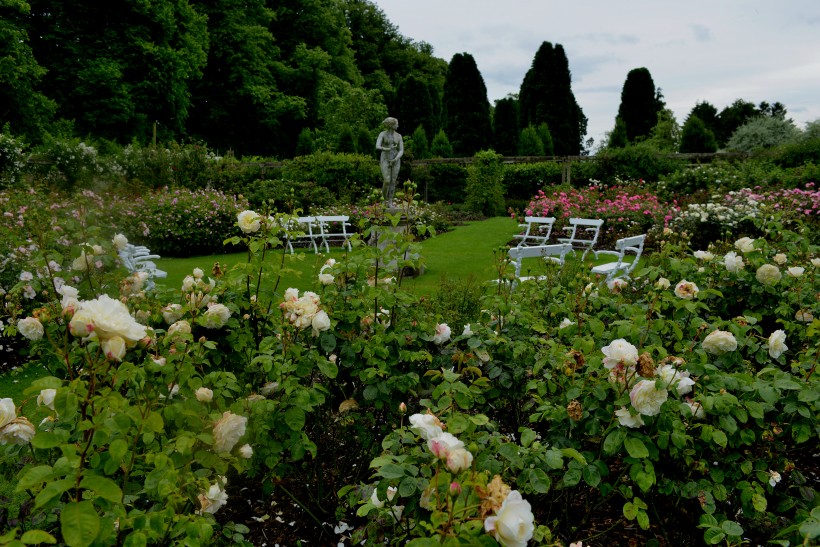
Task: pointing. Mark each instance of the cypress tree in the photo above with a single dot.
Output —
(506, 128)
(415, 107)
(345, 142)
(639, 104)
(530, 143)
(467, 110)
(546, 97)
(441, 147)
(545, 135)
(421, 147)
(365, 143)
(304, 143)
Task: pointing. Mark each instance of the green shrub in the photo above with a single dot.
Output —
(442, 182)
(523, 180)
(798, 153)
(633, 162)
(485, 191)
(12, 159)
(346, 177)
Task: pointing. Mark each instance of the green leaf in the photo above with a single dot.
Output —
(643, 520)
(117, 449)
(720, 438)
(592, 476)
(295, 418)
(328, 368)
(33, 477)
(79, 523)
(407, 487)
(713, 536)
(636, 448)
(614, 441)
(391, 471)
(810, 528)
(731, 528)
(34, 537)
(49, 439)
(759, 502)
(539, 480)
(328, 342)
(527, 436)
(630, 510)
(103, 487)
(52, 491)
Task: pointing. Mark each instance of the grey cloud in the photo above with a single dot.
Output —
(702, 33)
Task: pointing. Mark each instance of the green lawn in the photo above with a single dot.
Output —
(465, 251)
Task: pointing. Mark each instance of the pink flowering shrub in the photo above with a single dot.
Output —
(626, 209)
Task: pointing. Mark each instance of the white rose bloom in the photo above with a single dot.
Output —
(213, 500)
(815, 262)
(514, 523)
(795, 271)
(628, 420)
(31, 328)
(615, 285)
(662, 283)
(291, 294)
(442, 333)
(374, 497)
(114, 348)
(733, 262)
(467, 330)
(46, 398)
(619, 351)
(442, 445)
(268, 388)
(679, 379)
(320, 322)
(119, 241)
(248, 221)
(172, 313)
(8, 411)
(745, 245)
(774, 478)
(777, 344)
(566, 322)
(17, 431)
(81, 262)
(719, 341)
(246, 451)
(188, 283)
(459, 459)
(204, 395)
(780, 258)
(703, 255)
(647, 399)
(180, 327)
(768, 274)
(686, 290)
(198, 273)
(98, 250)
(111, 317)
(326, 279)
(216, 316)
(228, 430)
(67, 291)
(426, 425)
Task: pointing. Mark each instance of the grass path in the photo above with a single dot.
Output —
(465, 251)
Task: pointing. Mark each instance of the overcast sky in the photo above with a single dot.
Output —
(696, 50)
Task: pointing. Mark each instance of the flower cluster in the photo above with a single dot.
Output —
(109, 321)
(304, 311)
(649, 385)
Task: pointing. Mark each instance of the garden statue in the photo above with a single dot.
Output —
(391, 146)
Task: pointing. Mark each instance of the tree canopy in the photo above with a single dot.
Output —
(466, 108)
(640, 104)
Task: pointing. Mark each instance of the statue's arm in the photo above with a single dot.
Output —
(401, 148)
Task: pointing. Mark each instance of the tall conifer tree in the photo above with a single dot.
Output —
(506, 127)
(640, 104)
(546, 97)
(467, 110)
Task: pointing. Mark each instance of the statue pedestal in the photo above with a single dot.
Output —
(380, 242)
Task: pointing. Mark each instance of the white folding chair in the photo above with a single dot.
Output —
(624, 246)
(583, 234)
(333, 227)
(554, 254)
(538, 230)
(306, 225)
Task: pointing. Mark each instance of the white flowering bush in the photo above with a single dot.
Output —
(684, 400)
(12, 159)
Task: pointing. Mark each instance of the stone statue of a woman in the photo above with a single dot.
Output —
(391, 146)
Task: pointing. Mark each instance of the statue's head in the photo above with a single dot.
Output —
(391, 123)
